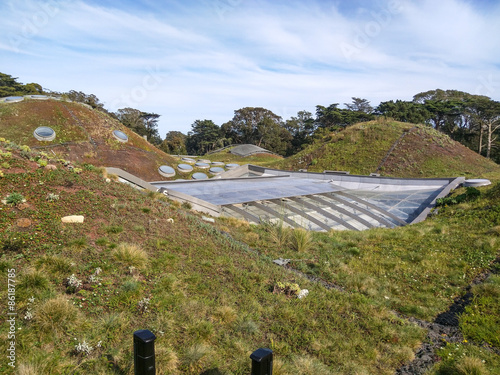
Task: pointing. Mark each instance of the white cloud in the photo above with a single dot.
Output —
(205, 60)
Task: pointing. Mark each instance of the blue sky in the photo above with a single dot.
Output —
(189, 60)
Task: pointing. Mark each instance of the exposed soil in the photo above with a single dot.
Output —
(83, 135)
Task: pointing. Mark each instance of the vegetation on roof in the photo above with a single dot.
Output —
(392, 149)
(211, 293)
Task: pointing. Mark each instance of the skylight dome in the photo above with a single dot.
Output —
(166, 171)
(184, 168)
(121, 136)
(202, 165)
(39, 97)
(216, 170)
(199, 176)
(13, 99)
(44, 133)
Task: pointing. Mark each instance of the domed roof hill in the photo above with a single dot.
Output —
(82, 135)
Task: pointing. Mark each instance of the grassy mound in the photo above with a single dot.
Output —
(392, 149)
(82, 135)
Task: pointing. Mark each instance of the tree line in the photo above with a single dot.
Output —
(470, 119)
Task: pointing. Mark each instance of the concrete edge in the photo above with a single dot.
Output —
(196, 203)
(131, 178)
(446, 190)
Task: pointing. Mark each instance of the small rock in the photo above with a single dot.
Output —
(72, 219)
(209, 219)
(170, 220)
(281, 261)
(303, 293)
(50, 167)
(23, 223)
(23, 206)
(108, 180)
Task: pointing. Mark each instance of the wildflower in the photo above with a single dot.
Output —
(83, 348)
(143, 304)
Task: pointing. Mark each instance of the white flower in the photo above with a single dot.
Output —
(83, 347)
(303, 293)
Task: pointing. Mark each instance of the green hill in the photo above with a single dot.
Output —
(82, 135)
(392, 149)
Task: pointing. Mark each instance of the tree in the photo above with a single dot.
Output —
(333, 117)
(142, 123)
(150, 121)
(445, 107)
(273, 136)
(204, 136)
(89, 99)
(9, 87)
(246, 125)
(359, 105)
(486, 115)
(174, 143)
(301, 128)
(132, 119)
(403, 111)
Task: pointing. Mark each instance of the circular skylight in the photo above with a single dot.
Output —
(188, 160)
(39, 97)
(232, 166)
(216, 170)
(166, 171)
(204, 161)
(218, 163)
(121, 136)
(184, 168)
(44, 133)
(202, 165)
(13, 99)
(199, 176)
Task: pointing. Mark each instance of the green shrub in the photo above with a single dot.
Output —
(471, 194)
(14, 199)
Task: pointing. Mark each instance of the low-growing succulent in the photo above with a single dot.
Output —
(14, 199)
(51, 197)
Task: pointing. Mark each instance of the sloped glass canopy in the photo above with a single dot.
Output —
(315, 201)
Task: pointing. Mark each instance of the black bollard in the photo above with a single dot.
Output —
(144, 352)
(262, 362)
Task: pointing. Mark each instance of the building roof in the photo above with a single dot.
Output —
(314, 201)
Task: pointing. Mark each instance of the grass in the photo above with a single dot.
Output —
(362, 148)
(302, 240)
(480, 323)
(130, 255)
(211, 300)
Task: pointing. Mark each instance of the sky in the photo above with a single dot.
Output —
(203, 59)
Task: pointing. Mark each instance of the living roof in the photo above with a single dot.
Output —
(314, 201)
